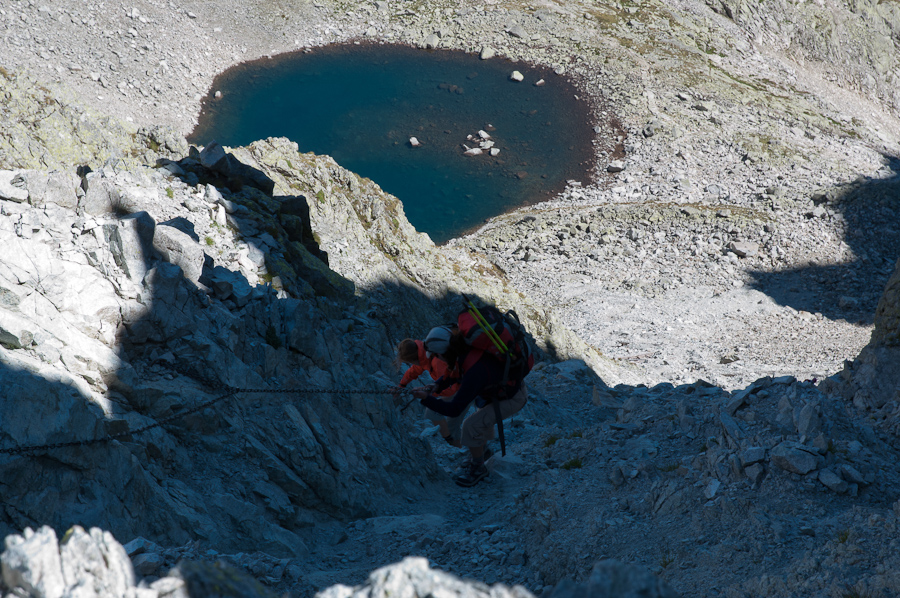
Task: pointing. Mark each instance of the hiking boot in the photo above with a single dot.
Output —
(471, 475)
(486, 455)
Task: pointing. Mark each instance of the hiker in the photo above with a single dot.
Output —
(413, 352)
(481, 382)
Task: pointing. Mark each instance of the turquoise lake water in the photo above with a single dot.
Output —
(361, 104)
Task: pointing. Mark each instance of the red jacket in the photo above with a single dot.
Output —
(435, 366)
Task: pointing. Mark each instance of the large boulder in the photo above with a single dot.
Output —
(36, 564)
(56, 187)
(130, 240)
(177, 247)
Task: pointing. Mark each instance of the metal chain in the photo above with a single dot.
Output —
(229, 391)
(38, 447)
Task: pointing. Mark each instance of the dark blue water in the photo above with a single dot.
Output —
(361, 104)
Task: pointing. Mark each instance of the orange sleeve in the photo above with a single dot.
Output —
(411, 374)
(438, 370)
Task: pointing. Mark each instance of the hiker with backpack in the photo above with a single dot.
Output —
(413, 352)
(492, 357)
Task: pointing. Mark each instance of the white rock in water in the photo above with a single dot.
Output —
(517, 76)
(414, 142)
(487, 52)
(495, 151)
(484, 134)
(540, 83)
(475, 151)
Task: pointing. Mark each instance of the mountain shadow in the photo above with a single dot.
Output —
(869, 209)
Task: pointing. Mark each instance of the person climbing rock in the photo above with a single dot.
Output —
(481, 382)
(413, 352)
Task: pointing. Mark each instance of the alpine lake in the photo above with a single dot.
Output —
(362, 104)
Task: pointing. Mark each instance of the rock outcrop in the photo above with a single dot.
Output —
(872, 380)
(36, 565)
(107, 328)
(132, 296)
(92, 563)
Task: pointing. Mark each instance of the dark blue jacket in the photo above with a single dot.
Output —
(483, 379)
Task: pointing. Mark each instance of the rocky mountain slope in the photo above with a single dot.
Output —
(730, 250)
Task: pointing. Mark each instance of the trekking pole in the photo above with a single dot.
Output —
(486, 327)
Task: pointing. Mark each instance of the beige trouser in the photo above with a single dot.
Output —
(479, 427)
(453, 423)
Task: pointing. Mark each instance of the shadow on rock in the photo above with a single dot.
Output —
(850, 290)
(122, 321)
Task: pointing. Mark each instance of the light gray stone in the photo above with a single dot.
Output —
(744, 248)
(102, 196)
(176, 247)
(31, 564)
(137, 198)
(754, 454)
(833, 481)
(809, 422)
(148, 563)
(55, 187)
(852, 475)
(517, 31)
(95, 560)
(16, 332)
(140, 545)
(230, 285)
(212, 155)
(795, 458)
(711, 489)
(12, 186)
(130, 241)
(755, 473)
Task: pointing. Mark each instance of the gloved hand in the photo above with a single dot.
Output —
(422, 392)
